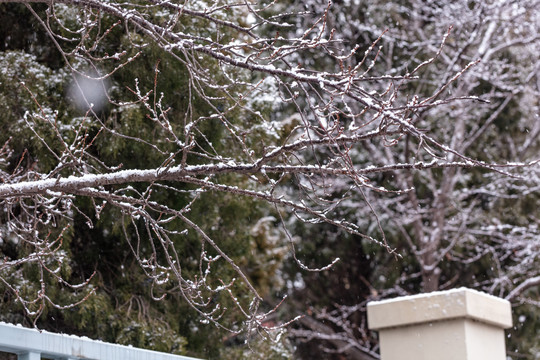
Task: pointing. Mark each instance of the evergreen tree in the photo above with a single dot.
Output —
(121, 308)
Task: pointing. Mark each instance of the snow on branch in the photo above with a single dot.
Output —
(298, 122)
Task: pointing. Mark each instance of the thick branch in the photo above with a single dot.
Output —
(527, 284)
(180, 174)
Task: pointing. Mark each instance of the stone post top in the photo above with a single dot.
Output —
(439, 306)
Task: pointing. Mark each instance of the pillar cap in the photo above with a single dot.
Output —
(439, 306)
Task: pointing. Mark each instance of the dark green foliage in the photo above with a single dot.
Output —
(523, 338)
(122, 309)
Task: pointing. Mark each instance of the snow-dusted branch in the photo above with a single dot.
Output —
(291, 118)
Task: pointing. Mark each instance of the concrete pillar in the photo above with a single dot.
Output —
(459, 324)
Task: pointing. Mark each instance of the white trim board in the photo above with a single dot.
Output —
(32, 344)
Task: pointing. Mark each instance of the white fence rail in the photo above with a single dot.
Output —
(31, 344)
